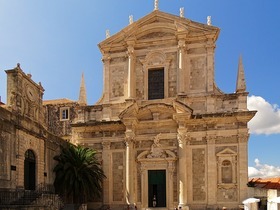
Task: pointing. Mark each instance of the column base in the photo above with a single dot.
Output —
(131, 207)
(183, 207)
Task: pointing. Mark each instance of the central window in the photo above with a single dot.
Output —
(156, 83)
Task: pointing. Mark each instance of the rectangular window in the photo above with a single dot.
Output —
(155, 83)
(64, 113)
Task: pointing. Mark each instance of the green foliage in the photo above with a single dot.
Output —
(78, 174)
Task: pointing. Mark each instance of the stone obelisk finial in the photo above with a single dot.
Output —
(156, 5)
(83, 94)
(182, 11)
(209, 21)
(107, 33)
(240, 83)
(130, 19)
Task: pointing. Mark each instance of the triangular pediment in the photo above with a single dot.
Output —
(227, 152)
(155, 25)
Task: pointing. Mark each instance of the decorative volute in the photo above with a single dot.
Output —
(240, 83)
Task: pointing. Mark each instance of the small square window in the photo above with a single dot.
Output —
(64, 113)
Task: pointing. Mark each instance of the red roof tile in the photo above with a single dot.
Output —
(267, 183)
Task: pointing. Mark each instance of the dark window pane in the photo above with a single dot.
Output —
(155, 84)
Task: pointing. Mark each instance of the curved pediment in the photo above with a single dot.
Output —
(182, 108)
(154, 111)
(158, 111)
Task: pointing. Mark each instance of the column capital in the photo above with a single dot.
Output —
(106, 145)
(130, 51)
(181, 44)
(182, 138)
(210, 44)
(129, 138)
(106, 57)
(171, 167)
(243, 138)
(211, 139)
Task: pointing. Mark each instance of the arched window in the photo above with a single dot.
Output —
(29, 154)
(226, 171)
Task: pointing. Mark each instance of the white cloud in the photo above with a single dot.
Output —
(263, 170)
(267, 119)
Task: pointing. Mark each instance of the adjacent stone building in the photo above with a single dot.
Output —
(27, 147)
(167, 135)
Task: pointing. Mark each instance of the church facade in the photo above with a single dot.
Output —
(166, 134)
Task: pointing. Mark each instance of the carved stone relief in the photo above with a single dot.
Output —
(156, 149)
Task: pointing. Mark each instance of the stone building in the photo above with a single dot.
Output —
(27, 147)
(166, 134)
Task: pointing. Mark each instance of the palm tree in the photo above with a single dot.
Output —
(78, 174)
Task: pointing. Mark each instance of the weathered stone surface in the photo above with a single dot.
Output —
(193, 133)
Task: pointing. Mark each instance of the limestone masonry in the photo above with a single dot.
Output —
(166, 135)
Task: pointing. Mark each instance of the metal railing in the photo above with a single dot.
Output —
(44, 195)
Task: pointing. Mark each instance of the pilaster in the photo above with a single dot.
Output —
(130, 191)
(106, 166)
(210, 47)
(211, 170)
(182, 173)
(243, 164)
(181, 66)
(131, 70)
(106, 77)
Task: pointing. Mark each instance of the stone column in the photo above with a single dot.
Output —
(131, 70)
(211, 170)
(182, 167)
(106, 166)
(106, 76)
(243, 164)
(181, 69)
(233, 168)
(210, 46)
(171, 169)
(144, 186)
(129, 163)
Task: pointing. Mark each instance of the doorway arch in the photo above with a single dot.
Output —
(29, 170)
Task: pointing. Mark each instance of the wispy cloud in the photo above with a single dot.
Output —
(267, 119)
(263, 170)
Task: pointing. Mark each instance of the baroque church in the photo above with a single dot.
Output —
(166, 135)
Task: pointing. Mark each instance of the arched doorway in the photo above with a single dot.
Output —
(29, 170)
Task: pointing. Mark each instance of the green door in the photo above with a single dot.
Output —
(157, 188)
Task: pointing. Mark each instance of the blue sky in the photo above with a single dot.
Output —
(56, 40)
